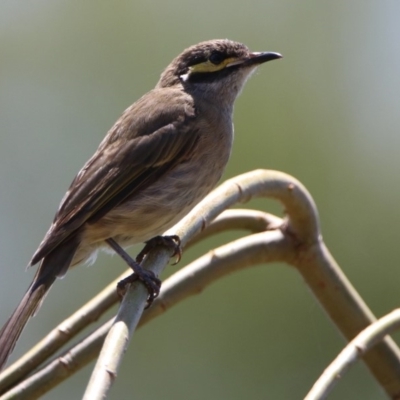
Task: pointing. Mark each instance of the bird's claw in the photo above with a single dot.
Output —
(173, 242)
(148, 278)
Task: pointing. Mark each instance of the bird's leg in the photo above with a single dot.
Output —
(173, 242)
(148, 278)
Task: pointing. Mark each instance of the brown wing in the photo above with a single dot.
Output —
(149, 139)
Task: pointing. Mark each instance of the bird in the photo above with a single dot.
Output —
(165, 153)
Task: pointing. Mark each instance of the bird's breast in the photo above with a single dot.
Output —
(162, 204)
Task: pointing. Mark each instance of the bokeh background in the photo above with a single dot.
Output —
(328, 113)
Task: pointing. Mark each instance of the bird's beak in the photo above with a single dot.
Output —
(256, 58)
(262, 57)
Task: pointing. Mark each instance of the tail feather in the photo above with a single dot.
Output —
(11, 331)
(50, 268)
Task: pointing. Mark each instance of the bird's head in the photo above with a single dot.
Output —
(214, 68)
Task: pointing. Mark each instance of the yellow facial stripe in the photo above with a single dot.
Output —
(208, 66)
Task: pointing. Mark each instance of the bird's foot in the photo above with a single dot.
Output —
(173, 242)
(148, 278)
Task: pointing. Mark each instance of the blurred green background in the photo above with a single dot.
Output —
(328, 113)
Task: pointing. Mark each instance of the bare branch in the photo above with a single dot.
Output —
(300, 238)
(252, 220)
(60, 335)
(191, 280)
(363, 342)
(303, 223)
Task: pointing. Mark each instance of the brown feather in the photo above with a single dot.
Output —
(135, 153)
(52, 266)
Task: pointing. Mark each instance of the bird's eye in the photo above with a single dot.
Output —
(216, 57)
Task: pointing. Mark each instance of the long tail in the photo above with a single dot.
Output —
(51, 267)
